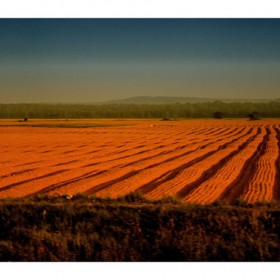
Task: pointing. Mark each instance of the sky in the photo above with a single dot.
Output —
(83, 60)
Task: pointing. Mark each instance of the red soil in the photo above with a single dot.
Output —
(198, 160)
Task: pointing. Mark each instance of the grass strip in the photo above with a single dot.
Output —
(133, 228)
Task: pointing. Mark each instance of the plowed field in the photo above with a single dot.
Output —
(198, 160)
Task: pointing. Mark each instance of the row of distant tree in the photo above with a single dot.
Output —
(171, 111)
(253, 116)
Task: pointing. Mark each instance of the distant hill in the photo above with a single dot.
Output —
(170, 100)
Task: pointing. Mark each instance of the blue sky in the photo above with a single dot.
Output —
(88, 60)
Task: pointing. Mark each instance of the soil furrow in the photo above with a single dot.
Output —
(194, 172)
(156, 171)
(17, 173)
(211, 189)
(261, 186)
(159, 158)
(110, 182)
(85, 176)
(4, 188)
(240, 184)
(276, 188)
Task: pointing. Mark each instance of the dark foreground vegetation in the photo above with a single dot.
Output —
(131, 228)
(176, 110)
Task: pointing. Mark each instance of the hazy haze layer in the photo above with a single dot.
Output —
(88, 60)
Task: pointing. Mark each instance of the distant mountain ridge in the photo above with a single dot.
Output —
(170, 100)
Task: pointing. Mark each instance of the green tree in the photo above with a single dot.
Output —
(218, 115)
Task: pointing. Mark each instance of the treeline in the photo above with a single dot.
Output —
(177, 110)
